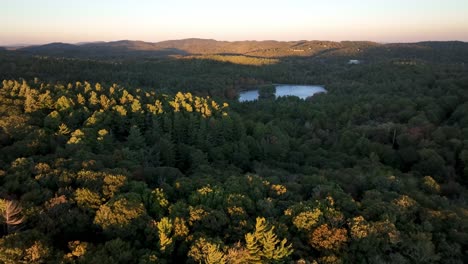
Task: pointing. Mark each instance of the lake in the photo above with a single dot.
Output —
(301, 91)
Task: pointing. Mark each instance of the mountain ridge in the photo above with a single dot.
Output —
(252, 48)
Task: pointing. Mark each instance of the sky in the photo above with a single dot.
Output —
(74, 21)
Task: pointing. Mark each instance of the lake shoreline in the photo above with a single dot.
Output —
(303, 91)
(257, 87)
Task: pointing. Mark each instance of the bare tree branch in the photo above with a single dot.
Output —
(11, 212)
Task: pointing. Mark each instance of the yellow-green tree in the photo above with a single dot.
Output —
(264, 246)
(206, 252)
(121, 216)
(164, 231)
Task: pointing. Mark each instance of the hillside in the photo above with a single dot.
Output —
(322, 49)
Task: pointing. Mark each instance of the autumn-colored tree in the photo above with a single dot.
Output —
(264, 246)
(328, 238)
(206, 252)
(29, 246)
(307, 220)
(237, 254)
(87, 199)
(165, 228)
(121, 216)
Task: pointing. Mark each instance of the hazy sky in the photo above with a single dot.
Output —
(43, 21)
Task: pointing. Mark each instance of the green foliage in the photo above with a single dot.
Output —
(135, 140)
(266, 92)
(25, 247)
(113, 251)
(374, 171)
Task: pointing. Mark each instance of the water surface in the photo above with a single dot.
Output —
(301, 91)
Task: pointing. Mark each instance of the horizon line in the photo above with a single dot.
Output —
(217, 40)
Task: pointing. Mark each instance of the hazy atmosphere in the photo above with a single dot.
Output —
(39, 22)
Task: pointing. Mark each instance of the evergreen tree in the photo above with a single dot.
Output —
(135, 140)
(264, 246)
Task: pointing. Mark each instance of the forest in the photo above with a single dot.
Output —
(151, 159)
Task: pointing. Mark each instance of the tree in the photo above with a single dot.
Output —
(308, 219)
(29, 246)
(264, 246)
(63, 103)
(31, 103)
(237, 254)
(88, 199)
(206, 252)
(165, 228)
(420, 249)
(116, 251)
(326, 238)
(121, 216)
(53, 120)
(63, 129)
(431, 163)
(464, 160)
(266, 92)
(155, 202)
(11, 213)
(112, 184)
(77, 137)
(80, 99)
(93, 99)
(135, 140)
(167, 152)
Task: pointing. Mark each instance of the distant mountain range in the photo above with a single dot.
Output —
(352, 49)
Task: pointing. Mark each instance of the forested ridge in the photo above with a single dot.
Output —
(154, 160)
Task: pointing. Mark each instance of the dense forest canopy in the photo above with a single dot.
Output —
(132, 157)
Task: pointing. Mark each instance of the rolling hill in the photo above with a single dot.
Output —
(324, 49)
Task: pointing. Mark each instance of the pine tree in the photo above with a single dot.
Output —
(31, 104)
(135, 140)
(206, 252)
(264, 246)
(93, 99)
(167, 152)
(76, 137)
(80, 99)
(63, 129)
(164, 230)
(63, 103)
(214, 255)
(136, 106)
